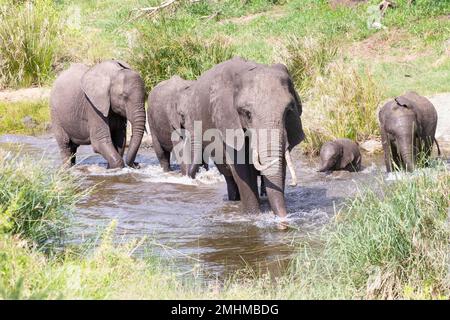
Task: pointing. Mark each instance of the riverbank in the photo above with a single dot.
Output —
(391, 244)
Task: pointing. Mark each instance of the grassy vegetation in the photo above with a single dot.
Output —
(33, 200)
(390, 243)
(29, 38)
(24, 117)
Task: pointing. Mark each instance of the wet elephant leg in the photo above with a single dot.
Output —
(247, 186)
(119, 139)
(102, 143)
(162, 155)
(232, 188)
(67, 148)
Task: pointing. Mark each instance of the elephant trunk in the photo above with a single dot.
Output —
(406, 152)
(274, 165)
(137, 120)
(196, 156)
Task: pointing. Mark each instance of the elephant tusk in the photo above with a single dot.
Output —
(258, 166)
(287, 155)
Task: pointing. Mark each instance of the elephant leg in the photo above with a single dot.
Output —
(232, 188)
(263, 191)
(247, 186)
(102, 143)
(397, 161)
(162, 155)
(387, 151)
(67, 148)
(119, 139)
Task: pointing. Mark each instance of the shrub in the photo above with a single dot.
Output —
(29, 39)
(163, 53)
(307, 58)
(34, 200)
(342, 104)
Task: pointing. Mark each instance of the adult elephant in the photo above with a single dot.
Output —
(408, 127)
(242, 96)
(92, 106)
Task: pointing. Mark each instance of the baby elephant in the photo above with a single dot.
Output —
(340, 154)
(408, 125)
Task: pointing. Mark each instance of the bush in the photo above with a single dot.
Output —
(29, 39)
(34, 200)
(342, 104)
(163, 53)
(393, 245)
(307, 58)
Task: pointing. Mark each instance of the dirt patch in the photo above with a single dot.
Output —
(442, 104)
(347, 3)
(276, 12)
(27, 94)
(389, 46)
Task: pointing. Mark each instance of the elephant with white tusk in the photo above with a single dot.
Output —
(244, 97)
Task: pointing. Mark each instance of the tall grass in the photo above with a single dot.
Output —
(29, 40)
(34, 200)
(387, 243)
(342, 104)
(162, 53)
(307, 58)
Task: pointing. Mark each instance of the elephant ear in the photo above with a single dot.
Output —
(412, 105)
(123, 64)
(293, 120)
(224, 112)
(97, 87)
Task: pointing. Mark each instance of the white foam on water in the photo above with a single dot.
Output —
(153, 174)
(402, 175)
(373, 168)
(268, 219)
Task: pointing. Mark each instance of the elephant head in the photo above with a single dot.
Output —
(330, 155)
(112, 85)
(261, 99)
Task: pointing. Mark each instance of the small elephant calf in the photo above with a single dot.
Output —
(340, 154)
(408, 125)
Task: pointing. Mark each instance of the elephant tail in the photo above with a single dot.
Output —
(437, 145)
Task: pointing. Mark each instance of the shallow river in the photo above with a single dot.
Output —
(188, 221)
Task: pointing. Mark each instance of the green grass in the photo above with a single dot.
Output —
(29, 38)
(34, 200)
(12, 117)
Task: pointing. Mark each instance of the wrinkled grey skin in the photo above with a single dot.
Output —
(241, 95)
(163, 117)
(340, 154)
(92, 106)
(408, 125)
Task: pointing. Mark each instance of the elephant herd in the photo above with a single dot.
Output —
(242, 115)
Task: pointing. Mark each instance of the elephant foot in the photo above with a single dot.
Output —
(134, 165)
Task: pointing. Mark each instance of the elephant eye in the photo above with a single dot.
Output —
(245, 113)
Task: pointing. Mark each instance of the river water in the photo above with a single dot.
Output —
(188, 221)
